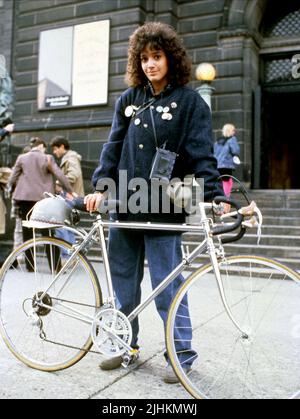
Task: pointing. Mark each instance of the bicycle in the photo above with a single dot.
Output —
(247, 338)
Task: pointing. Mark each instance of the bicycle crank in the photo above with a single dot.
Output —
(111, 332)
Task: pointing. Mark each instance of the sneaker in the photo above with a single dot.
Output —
(171, 378)
(111, 363)
(125, 361)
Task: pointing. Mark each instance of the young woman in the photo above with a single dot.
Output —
(158, 110)
(227, 151)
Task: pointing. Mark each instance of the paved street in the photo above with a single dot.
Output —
(266, 359)
(86, 380)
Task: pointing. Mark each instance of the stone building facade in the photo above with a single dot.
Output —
(252, 43)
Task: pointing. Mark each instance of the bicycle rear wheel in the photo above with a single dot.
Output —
(41, 337)
(264, 297)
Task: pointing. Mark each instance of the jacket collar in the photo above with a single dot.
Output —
(34, 150)
(150, 90)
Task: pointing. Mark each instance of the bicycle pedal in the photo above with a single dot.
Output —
(130, 358)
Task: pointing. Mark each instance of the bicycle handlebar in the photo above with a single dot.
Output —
(105, 206)
(239, 213)
(216, 231)
(246, 217)
(78, 204)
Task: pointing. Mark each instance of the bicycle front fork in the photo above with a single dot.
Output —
(212, 251)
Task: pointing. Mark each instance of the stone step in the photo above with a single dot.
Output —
(281, 229)
(274, 194)
(270, 204)
(275, 198)
(252, 239)
(281, 221)
(280, 212)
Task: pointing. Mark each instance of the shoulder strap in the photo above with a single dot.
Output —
(153, 127)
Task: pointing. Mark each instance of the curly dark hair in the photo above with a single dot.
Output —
(160, 36)
(58, 141)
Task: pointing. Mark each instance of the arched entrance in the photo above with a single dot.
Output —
(270, 31)
(280, 98)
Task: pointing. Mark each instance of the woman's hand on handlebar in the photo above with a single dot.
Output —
(226, 208)
(223, 209)
(92, 201)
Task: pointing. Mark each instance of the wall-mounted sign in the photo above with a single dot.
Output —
(73, 66)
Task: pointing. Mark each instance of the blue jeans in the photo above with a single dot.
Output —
(67, 236)
(127, 251)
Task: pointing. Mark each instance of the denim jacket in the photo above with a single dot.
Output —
(131, 145)
(225, 149)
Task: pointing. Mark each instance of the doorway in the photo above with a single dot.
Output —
(280, 146)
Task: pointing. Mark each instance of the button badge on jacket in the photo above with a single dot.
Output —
(166, 111)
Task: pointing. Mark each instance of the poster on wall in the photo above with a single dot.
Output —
(73, 66)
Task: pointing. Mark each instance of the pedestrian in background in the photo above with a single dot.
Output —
(15, 214)
(32, 176)
(4, 176)
(70, 164)
(5, 173)
(227, 151)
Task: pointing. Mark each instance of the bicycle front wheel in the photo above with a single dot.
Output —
(42, 336)
(264, 298)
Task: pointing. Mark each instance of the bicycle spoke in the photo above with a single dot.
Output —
(27, 322)
(263, 297)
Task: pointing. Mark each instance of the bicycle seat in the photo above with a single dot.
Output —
(51, 212)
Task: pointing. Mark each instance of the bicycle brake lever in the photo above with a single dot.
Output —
(256, 219)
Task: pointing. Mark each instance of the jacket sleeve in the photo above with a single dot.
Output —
(111, 152)
(199, 149)
(234, 146)
(72, 170)
(58, 174)
(16, 173)
(3, 134)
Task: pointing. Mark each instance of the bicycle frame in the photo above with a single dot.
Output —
(206, 245)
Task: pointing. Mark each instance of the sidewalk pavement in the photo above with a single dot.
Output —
(85, 380)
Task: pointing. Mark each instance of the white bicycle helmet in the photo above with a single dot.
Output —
(52, 212)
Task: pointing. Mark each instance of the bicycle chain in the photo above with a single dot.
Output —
(43, 335)
(65, 345)
(73, 302)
